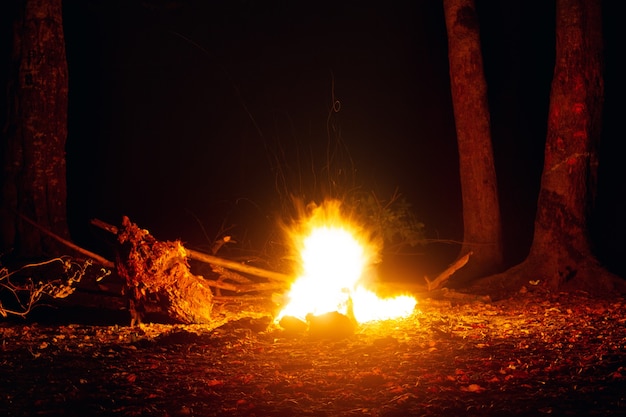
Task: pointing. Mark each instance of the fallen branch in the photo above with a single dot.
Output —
(236, 266)
(228, 274)
(238, 298)
(213, 260)
(223, 272)
(441, 278)
(99, 259)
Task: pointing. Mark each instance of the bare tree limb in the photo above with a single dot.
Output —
(102, 261)
(441, 278)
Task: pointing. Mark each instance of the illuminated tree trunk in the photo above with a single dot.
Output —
(561, 241)
(560, 255)
(33, 181)
(482, 232)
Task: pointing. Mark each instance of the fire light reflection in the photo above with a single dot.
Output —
(336, 257)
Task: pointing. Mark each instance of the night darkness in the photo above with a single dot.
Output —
(182, 113)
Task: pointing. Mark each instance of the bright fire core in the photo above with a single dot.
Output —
(334, 261)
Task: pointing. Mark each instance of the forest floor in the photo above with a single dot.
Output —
(537, 353)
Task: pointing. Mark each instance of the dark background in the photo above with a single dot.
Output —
(186, 115)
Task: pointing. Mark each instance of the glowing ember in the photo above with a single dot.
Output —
(334, 257)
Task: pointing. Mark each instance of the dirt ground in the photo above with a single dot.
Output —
(534, 354)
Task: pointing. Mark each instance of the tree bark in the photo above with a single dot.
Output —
(34, 182)
(482, 230)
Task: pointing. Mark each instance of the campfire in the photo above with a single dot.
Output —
(336, 265)
(336, 274)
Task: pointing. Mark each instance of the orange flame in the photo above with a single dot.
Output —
(336, 257)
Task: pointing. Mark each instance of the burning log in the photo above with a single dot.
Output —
(332, 325)
(157, 278)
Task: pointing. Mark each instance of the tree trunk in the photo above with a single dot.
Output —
(561, 240)
(34, 182)
(560, 256)
(482, 230)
